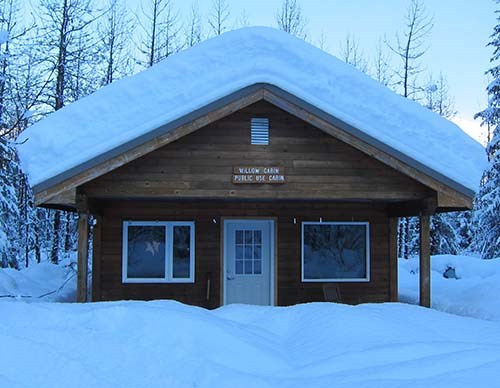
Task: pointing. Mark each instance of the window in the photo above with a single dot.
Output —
(335, 252)
(158, 252)
(259, 131)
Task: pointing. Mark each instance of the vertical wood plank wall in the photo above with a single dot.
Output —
(208, 250)
(200, 165)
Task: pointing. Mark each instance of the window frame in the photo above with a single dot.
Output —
(169, 250)
(337, 280)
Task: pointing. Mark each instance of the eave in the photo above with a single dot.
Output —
(60, 190)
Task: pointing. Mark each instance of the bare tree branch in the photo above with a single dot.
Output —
(410, 46)
(290, 19)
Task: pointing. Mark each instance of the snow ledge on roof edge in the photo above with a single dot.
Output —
(193, 78)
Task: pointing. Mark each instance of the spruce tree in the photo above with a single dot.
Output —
(487, 215)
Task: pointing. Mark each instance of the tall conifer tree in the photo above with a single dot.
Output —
(487, 215)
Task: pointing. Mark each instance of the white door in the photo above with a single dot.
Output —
(248, 261)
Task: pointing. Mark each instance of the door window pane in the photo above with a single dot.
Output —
(257, 267)
(248, 267)
(239, 252)
(257, 252)
(181, 251)
(146, 252)
(239, 267)
(248, 251)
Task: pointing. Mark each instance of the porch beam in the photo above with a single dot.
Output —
(425, 262)
(426, 206)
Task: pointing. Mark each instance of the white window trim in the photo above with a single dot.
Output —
(169, 225)
(365, 279)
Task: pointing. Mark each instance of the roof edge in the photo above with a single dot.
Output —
(371, 140)
(232, 97)
(59, 178)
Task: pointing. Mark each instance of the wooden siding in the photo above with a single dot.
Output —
(199, 165)
(290, 290)
(190, 179)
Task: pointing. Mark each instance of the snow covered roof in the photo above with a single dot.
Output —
(135, 106)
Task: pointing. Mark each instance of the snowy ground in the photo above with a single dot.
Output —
(167, 344)
(474, 293)
(40, 282)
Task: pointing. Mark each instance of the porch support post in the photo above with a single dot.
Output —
(393, 259)
(425, 262)
(83, 249)
(96, 257)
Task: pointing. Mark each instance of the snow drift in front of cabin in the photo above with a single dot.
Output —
(167, 344)
(193, 78)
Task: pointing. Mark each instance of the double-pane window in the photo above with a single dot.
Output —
(158, 252)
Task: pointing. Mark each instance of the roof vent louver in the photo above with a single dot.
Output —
(260, 131)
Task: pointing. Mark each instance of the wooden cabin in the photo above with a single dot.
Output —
(259, 196)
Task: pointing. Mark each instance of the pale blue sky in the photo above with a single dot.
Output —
(457, 45)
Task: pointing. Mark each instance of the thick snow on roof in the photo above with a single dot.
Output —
(195, 77)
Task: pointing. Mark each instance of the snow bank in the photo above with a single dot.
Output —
(39, 282)
(474, 293)
(193, 78)
(167, 344)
